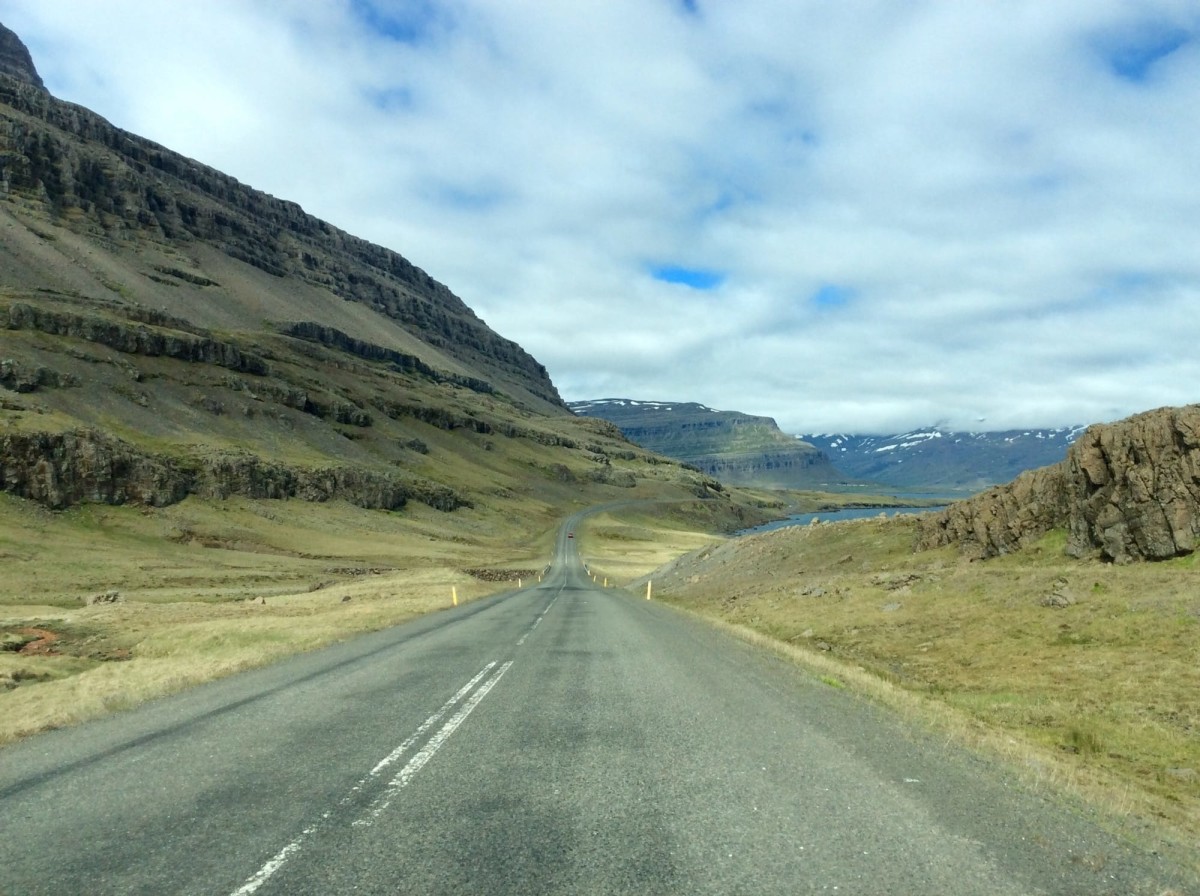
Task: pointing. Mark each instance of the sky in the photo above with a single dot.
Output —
(856, 216)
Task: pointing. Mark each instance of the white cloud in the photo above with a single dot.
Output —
(1006, 195)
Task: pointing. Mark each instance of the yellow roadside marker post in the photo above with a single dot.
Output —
(648, 584)
(454, 594)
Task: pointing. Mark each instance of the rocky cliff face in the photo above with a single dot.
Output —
(738, 448)
(1135, 486)
(15, 60)
(1127, 491)
(61, 470)
(99, 179)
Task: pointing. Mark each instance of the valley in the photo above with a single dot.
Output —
(262, 433)
(243, 448)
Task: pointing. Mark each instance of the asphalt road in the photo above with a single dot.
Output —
(559, 739)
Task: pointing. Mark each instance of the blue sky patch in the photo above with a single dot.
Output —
(1131, 55)
(696, 278)
(832, 296)
(390, 99)
(407, 22)
(472, 198)
(1130, 288)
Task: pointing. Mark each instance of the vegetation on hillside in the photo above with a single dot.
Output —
(231, 416)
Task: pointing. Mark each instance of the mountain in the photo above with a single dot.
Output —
(746, 450)
(166, 331)
(951, 461)
(736, 448)
(1125, 491)
(15, 61)
(194, 242)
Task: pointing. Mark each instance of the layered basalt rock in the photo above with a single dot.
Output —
(15, 60)
(64, 469)
(1126, 491)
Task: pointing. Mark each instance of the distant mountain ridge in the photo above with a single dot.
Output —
(748, 450)
(939, 459)
(737, 448)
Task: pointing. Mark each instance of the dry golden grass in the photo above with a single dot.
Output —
(210, 588)
(624, 545)
(213, 587)
(115, 656)
(230, 549)
(1100, 693)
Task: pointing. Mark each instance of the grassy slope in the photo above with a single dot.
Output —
(193, 575)
(1101, 695)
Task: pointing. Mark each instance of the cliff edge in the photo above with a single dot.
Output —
(16, 61)
(737, 448)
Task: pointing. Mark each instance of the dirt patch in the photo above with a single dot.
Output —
(35, 641)
(502, 575)
(42, 644)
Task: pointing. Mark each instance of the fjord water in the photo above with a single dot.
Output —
(830, 516)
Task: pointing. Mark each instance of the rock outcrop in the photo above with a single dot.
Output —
(1126, 491)
(133, 340)
(336, 339)
(18, 377)
(64, 469)
(737, 448)
(1135, 486)
(1002, 519)
(15, 60)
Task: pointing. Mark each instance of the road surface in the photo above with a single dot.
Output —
(559, 739)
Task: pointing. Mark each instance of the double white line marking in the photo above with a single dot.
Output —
(422, 756)
(462, 703)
